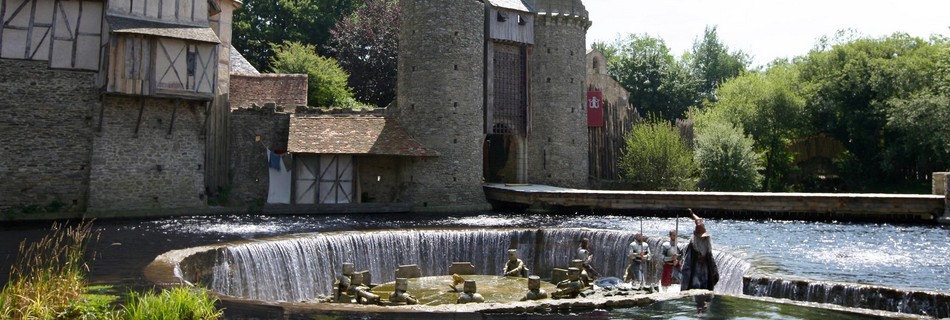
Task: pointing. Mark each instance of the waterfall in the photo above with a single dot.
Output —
(932, 304)
(303, 267)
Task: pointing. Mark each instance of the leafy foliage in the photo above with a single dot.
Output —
(856, 87)
(259, 24)
(769, 107)
(712, 64)
(656, 157)
(726, 159)
(327, 84)
(657, 82)
(366, 44)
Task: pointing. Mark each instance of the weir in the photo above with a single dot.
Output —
(293, 273)
(302, 268)
(933, 304)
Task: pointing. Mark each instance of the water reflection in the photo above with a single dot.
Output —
(729, 307)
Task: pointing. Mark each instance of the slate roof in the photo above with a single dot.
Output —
(511, 4)
(240, 65)
(355, 135)
(120, 24)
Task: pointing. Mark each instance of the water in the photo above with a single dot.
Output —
(909, 257)
(727, 307)
(303, 267)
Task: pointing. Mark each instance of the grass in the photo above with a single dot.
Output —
(48, 281)
(48, 275)
(177, 303)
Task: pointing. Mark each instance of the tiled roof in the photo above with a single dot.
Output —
(352, 135)
(511, 4)
(120, 24)
(240, 65)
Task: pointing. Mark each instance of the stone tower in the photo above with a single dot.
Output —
(440, 101)
(517, 64)
(558, 145)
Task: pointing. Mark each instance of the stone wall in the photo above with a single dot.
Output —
(286, 90)
(148, 154)
(558, 143)
(378, 177)
(249, 175)
(45, 136)
(440, 101)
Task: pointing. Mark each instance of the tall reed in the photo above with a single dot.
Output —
(48, 275)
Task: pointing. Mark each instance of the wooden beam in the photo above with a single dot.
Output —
(102, 110)
(76, 36)
(139, 121)
(174, 111)
(3, 13)
(29, 32)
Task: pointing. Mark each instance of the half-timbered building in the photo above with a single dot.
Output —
(146, 100)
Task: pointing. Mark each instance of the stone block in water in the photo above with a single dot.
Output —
(408, 271)
(362, 278)
(462, 268)
(558, 275)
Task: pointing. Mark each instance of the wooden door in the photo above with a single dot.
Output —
(324, 179)
(336, 179)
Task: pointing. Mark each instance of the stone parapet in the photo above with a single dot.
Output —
(286, 91)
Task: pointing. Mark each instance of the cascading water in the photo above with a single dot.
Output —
(852, 295)
(303, 267)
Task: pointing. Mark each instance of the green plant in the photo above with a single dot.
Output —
(31, 209)
(656, 157)
(54, 206)
(48, 275)
(178, 303)
(327, 81)
(91, 306)
(726, 159)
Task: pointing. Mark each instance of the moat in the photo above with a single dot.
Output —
(903, 257)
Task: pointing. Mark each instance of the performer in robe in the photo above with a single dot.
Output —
(699, 270)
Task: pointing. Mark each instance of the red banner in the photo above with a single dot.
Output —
(595, 110)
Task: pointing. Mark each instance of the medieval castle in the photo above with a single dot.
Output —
(113, 107)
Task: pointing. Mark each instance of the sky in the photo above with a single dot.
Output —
(765, 29)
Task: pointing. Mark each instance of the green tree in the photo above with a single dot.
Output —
(861, 83)
(327, 85)
(712, 63)
(366, 44)
(260, 23)
(769, 106)
(656, 157)
(658, 83)
(726, 159)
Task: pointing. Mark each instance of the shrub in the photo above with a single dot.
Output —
(327, 81)
(726, 159)
(656, 157)
(178, 303)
